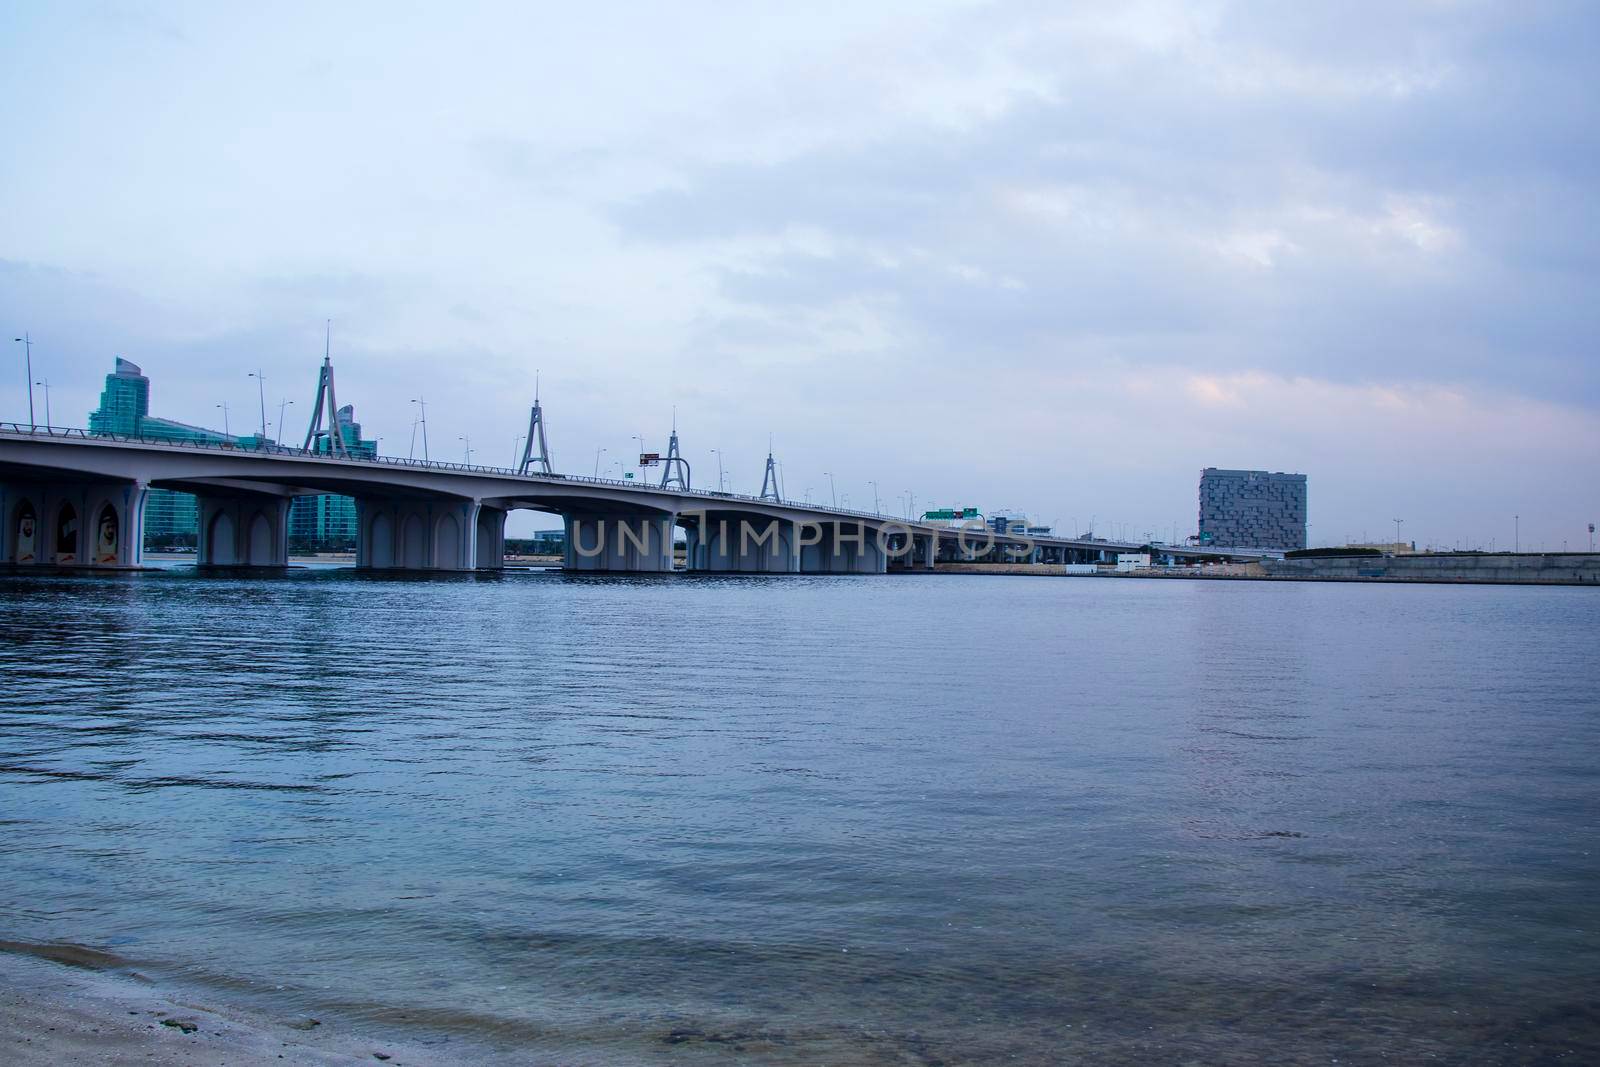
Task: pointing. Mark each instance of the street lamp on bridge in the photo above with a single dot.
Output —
(422, 420)
(261, 392)
(26, 341)
(283, 404)
(718, 453)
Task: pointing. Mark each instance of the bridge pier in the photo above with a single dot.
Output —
(743, 544)
(401, 534)
(72, 525)
(843, 548)
(491, 539)
(619, 543)
(243, 531)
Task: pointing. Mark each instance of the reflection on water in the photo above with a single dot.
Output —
(881, 820)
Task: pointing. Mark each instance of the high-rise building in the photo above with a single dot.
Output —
(124, 402)
(125, 411)
(1252, 509)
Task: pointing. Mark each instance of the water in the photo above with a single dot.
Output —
(894, 820)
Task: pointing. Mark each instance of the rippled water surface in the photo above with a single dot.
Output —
(883, 820)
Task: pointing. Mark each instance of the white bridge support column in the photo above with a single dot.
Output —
(619, 543)
(401, 534)
(243, 531)
(72, 525)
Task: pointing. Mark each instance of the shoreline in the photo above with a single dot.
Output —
(69, 1004)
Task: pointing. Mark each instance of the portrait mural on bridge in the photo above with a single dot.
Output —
(27, 536)
(67, 535)
(105, 542)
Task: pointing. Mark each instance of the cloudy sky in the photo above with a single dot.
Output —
(1041, 256)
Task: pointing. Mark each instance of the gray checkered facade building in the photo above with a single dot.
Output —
(1252, 509)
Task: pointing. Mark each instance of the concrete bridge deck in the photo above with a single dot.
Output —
(71, 498)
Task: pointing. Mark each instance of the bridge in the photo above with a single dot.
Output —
(69, 497)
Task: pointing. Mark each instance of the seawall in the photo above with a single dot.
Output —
(1520, 568)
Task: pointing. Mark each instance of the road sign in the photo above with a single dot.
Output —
(649, 459)
(629, 476)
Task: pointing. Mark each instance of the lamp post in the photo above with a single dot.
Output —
(226, 432)
(46, 383)
(718, 453)
(597, 461)
(467, 440)
(1397, 523)
(422, 419)
(26, 341)
(832, 490)
(911, 508)
(639, 438)
(1516, 543)
(282, 404)
(876, 510)
(516, 450)
(261, 391)
(808, 500)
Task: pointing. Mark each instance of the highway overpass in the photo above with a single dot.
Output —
(71, 498)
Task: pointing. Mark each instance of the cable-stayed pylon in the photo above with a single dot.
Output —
(535, 462)
(770, 490)
(676, 469)
(326, 405)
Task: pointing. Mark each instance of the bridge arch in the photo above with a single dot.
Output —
(447, 542)
(25, 533)
(221, 547)
(380, 544)
(258, 546)
(107, 535)
(413, 543)
(67, 534)
(490, 538)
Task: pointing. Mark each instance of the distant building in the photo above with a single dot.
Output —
(1252, 509)
(328, 518)
(125, 412)
(1008, 524)
(172, 516)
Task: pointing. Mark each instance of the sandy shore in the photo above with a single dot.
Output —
(64, 1004)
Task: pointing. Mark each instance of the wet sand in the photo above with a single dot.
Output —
(65, 1004)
